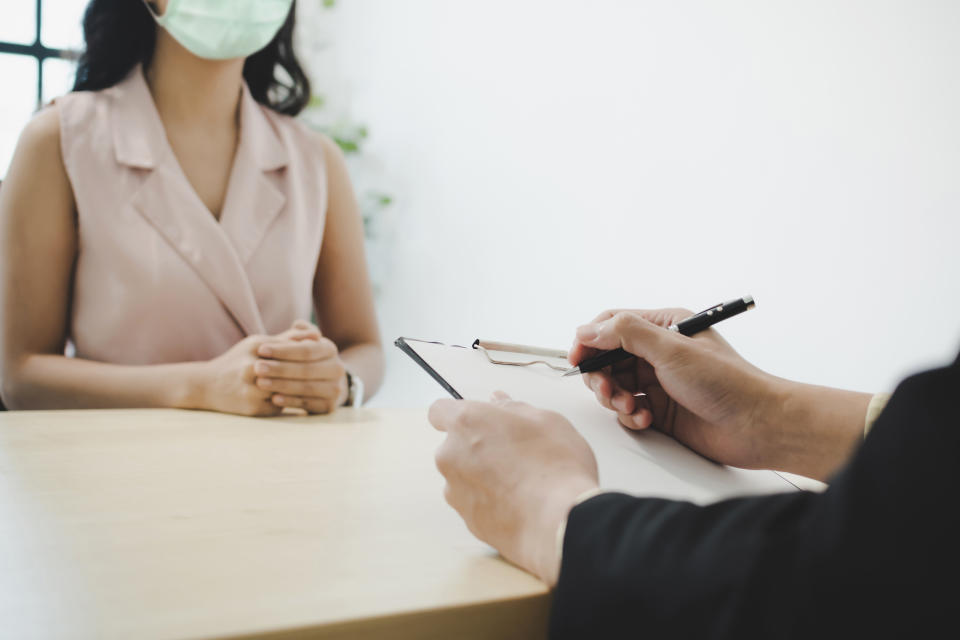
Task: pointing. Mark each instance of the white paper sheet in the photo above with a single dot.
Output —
(647, 463)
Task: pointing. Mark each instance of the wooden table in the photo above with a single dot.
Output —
(171, 524)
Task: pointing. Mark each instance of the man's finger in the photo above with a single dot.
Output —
(500, 397)
(611, 395)
(503, 401)
(637, 421)
(579, 351)
(446, 458)
(595, 382)
(604, 401)
(633, 333)
(443, 414)
(622, 400)
(606, 315)
(664, 317)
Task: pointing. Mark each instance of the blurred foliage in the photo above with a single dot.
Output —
(350, 137)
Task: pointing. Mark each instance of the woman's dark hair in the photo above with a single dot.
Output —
(121, 34)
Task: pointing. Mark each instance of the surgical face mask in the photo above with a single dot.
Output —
(223, 29)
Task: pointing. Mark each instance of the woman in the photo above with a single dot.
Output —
(172, 221)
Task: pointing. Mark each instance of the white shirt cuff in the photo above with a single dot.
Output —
(877, 403)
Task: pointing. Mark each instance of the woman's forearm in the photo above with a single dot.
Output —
(366, 361)
(42, 381)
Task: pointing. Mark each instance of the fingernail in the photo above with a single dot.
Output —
(621, 404)
(265, 350)
(261, 368)
(263, 383)
(587, 332)
(278, 399)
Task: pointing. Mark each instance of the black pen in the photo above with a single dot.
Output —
(688, 327)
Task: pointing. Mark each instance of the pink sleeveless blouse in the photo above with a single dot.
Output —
(158, 279)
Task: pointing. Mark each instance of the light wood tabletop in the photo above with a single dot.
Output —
(175, 524)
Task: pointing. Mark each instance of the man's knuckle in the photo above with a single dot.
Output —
(436, 414)
(460, 416)
(449, 495)
(622, 320)
(474, 415)
(541, 415)
(476, 444)
(443, 459)
(606, 314)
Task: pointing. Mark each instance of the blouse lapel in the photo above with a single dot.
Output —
(167, 200)
(254, 198)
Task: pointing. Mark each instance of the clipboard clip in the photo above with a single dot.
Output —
(485, 346)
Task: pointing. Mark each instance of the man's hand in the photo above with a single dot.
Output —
(513, 473)
(701, 392)
(698, 390)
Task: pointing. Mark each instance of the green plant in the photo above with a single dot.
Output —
(350, 137)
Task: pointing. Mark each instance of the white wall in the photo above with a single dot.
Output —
(554, 158)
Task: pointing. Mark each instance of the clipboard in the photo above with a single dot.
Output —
(410, 351)
(646, 463)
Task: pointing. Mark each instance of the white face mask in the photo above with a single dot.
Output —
(224, 29)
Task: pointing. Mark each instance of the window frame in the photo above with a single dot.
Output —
(37, 50)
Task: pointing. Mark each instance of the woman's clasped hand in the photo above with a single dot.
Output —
(263, 375)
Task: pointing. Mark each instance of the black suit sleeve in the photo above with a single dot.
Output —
(872, 557)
